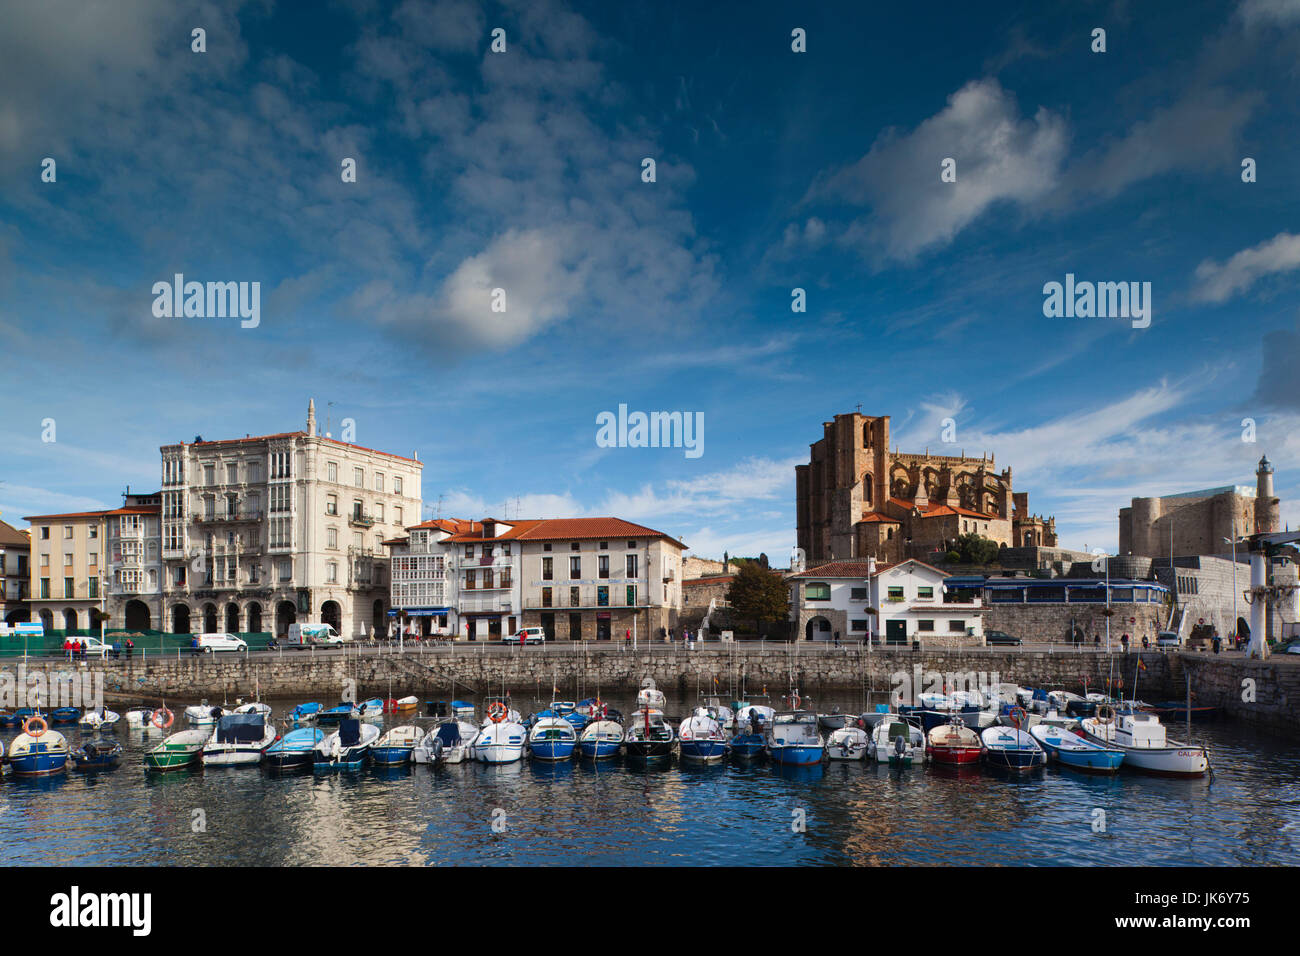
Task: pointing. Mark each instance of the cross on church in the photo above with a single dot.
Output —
(859, 408)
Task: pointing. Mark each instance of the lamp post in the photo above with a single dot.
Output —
(1233, 542)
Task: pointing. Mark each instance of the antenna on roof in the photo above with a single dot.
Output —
(439, 513)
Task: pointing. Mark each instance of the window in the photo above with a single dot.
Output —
(818, 591)
(575, 568)
(232, 473)
(67, 559)
(332, 538)
(925, 594)
(925, 625)
(397, 517)
(67, 531)
(471, 580)
(632, 566)
(469, 550)
(602, 596)
(858, 594)
(331, 504)
(286, 569)
(45, 560)
(379, 481)
(254, 472)
(397, 486)
(602, 566)
(332, 572)
(92, 559)
(487, 578)
(957, 627)
(67, 587)
(358, 477)
(356, 540)
(631, 595)
(604, 546)
(356, 509)
(545, 547)
(332, 472)
(209, 474)
(574, 599)
(279, 499)
(45, 589)
(254, 574)
(546, 597)
(92, 531)
(896, 594)
(178, 576)
(574, 546)
(45, 532)
(548, 569)
(379, 512)
(859, 626)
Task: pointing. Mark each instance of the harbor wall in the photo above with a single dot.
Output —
(1263, 693)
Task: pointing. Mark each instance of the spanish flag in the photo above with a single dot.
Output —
(1141, 665)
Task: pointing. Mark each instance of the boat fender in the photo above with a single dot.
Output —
(163, 722)
(30, 722)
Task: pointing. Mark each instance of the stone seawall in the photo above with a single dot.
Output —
(1263, 693)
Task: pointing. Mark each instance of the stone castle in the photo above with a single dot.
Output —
(856, 499)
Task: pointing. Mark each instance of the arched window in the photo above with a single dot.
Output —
(866, 489)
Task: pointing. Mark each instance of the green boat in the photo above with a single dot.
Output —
(177, 751)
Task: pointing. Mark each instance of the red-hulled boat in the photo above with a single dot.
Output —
(953, 743)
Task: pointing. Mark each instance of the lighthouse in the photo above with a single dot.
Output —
(1267, 507)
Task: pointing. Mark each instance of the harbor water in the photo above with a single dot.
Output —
(614, 813)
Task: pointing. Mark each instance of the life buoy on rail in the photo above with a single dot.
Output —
(160, 721)
(1017, 716)
(795, 701)
(599, 709)
(1105, 713)
(497, 712)
(32, 721)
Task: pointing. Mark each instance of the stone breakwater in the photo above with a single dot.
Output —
(616, 671)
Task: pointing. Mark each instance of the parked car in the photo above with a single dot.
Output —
(97, 648)
(992, 638)
(210, 643)
(526, 635)
(1168, 639)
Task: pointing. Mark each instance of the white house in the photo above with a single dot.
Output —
(893, 604)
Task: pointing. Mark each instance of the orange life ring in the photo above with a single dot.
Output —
(497, 712)
(795, 701)
(35, 719)
(162, 724)
(1017, 716)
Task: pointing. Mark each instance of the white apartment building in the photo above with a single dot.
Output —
(890, 604)
(260, 532)
(576, 578)
(135, 574)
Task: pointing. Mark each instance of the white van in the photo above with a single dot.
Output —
(302, 635)
(211, 643)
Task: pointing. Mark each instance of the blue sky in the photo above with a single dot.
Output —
(775, 170)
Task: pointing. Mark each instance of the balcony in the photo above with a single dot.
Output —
(240, 514)
(499, 604)
(586, 602)
(358, 520)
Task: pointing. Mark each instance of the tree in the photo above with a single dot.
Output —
(972, 548)
(759, 594)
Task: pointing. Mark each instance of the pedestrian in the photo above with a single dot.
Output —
(130, 647)
(837, 638)
(1216, 641)
(1124, 643)
(1096, 639)
(628, 636)
(1146, 641)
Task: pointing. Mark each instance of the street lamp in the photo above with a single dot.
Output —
(1233, 542)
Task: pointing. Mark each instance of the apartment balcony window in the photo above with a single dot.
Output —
(575, 568)
(548, 569)
(45, 589)
(602, 596)
(896, 594)
(546, 597)
(632, 566)
(471, 580)
(332, 472)
(574, 599)
(631, 595)
(602, 566)
(67, 588)
(397, 486)
(817, 591)
(358, 478)
(332, 504)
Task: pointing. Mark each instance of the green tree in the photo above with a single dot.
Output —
(759, 595)
(972, 548)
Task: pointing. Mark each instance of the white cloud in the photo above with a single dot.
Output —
(1218, 282)
(1263, 13)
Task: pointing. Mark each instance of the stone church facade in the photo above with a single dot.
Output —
(857, 499)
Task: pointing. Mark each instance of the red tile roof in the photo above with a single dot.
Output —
(12, 536)
(564, 529)
(71, 514)
(938, 510)
(838, 569)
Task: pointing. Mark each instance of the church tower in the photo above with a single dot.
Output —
(1267, 507)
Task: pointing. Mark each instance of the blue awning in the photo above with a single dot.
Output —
(421, 611)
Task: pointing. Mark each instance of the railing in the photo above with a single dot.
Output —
(490, 605)
(586, 602)
(241, 514)
(361, 521)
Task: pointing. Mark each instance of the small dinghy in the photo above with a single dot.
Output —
(372, 709)
(897, 743)
(394, 747)
(306, 713)
(405, 705)
(294, 749)
(256, 707)
(793, 739)
(1076, 752)
(347, 748)
(953, 743)
(834, 720)
(99, 720)
(177, 751)
(138, 718)
(344, 711)
(238, 739)
(847, 743)
(701, 737)
(601, 739)
(38, 751)
(552, 738)
(649, 736)
(204, 714)
(1146, 747)
(1012, 749)
(463, 709)
(64, 715)
(97, 756)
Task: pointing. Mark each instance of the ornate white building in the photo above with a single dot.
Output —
(259, 532)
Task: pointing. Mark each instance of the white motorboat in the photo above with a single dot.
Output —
(650, 697)
(204, 714)
(238, 739)
(256, 707)
(100, 720)
(896, 742)
(847, 743)
(701, 737)
(500, 741)
(1145, 744)
(457, 739)
(600, 739)
(347, 748)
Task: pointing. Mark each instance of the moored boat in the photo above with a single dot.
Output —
(701, 738)
(372, 709)
(601, 739)
(457, 738)
(294, 749)
(238, 739)
(847, 743)
(1146, 745)
(306, 713)
(953, 743)
(347, 748)
(1077, 752)
(896, 742)
(64, 715)
(1012, 749)
(649, 735)
(552, 738)
(38, 751)
(793, 739)
(97, 756)
(204, 714)
(99, 720)
(500, 740)
(332, 715)
(177, 751)
(394, 747)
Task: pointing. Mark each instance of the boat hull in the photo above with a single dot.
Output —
(748, 746)
(796, 756)
(599, 749)
(499, 753)
(390, 756)
(649, 749)
(40, 763)
(1018, 759)
(703, 751)
(172, 759)
(553, 750)
(287, 759)
(232, 757)
(349, 758)
(953, 755)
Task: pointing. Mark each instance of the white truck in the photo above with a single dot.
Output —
(304, 635)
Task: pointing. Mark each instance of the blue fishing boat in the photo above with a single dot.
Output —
(793, 739)
(65, 715)
(1078, 753)
(1011, 749)
(601, 739)
(347, 748)
(40, 753)
(333, 715)
(372, 709)
(393, 749)
(294, 749)
(306, 713)
(751, 722)
(552, 738)
(97, 756)
(462, 708)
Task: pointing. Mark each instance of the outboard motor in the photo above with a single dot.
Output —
(900, 745)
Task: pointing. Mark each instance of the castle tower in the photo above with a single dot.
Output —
(1267, 507)
(311, 417)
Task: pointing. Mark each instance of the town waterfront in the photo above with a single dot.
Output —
(610, 813)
